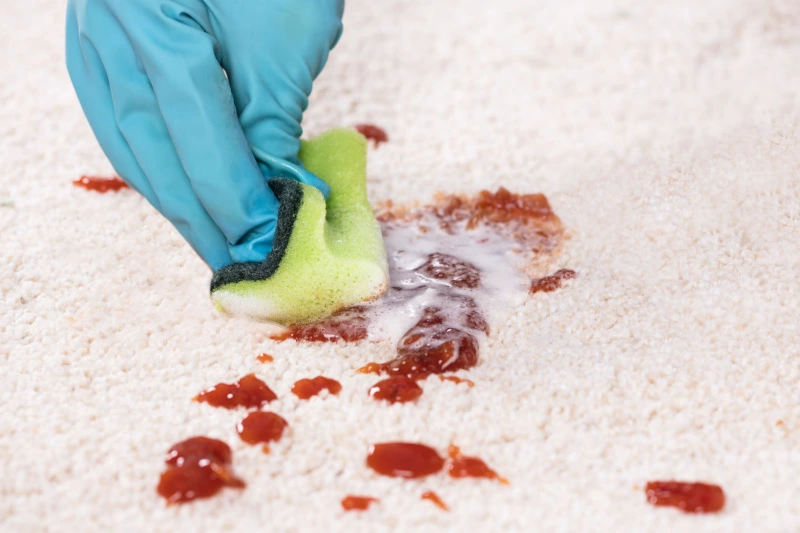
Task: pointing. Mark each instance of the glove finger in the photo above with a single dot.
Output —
(121, 108)
(272, 57)
(90, 81)
(194, 98)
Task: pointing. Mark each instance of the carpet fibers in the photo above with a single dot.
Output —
(667, 138)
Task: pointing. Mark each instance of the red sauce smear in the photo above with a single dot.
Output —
(306, 388)
(265, 358)
(261, 426)
(433, 497)
(248, 392)
(373, 133)
(357, 503)
(438, 343)
(457, 380)
(404, 459)
(504, 208)
(552, 282)
(101, 185)
(349, 326)
(445, 339)
(197, 468)
(460, 466)
(441, 341)
(688, 497)
(399, 389)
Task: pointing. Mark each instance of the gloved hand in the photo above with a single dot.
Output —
(197, 144)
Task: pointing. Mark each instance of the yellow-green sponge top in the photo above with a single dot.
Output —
(325, 256)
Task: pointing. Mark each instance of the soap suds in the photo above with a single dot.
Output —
(454, 266)
(500, 260)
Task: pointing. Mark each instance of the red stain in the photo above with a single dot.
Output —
(373, 133)
(404, 459)
(357, 503)
(688, 497)
(552, 282)
(259, 426)
(101, 185)
(306, 388)
(437, 501)
(248, 392)
(197, 468)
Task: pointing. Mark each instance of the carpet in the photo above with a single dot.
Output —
(665, 135)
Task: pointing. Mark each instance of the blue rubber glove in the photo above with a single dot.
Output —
(151, 78)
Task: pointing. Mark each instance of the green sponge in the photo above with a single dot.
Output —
(325, 257)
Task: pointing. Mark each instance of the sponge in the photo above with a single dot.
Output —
(325, 256)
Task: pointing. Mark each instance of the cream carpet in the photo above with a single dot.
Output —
(666, 137)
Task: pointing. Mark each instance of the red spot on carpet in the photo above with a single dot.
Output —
(552, 282)
(357, 503)
(437, 501)
(460, 466)
(399, 389)
(306, 388)
(457, 380)
(248, 392)
(373, 133)
(265, 358)
(260, 426)
(688, 497)
(101, 185)
(404, 459)
(198, 467)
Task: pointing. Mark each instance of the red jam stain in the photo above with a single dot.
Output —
(458, 380)
(248, 392)
(446, 337)
(460, 466)
(357, 503)
(502, 208)
(197, 468)
(373, 133)
(552, 282)
(348, 326)
(437, 343)
(454, 271)
(442, 340)
(404, 459)
(370, 368)
(101, 185)
(306, 388)
(399, 389)
(437, 501)
(265, 358)
(688, 497)
(260, 426)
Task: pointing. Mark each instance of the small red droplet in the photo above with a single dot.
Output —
(265, 358)
(306, 388)
(398, 389)
(248, 392)
(404, 459)
(101, 185)
(433, 497)
(357, 503)
(373, 133)
(688, 497)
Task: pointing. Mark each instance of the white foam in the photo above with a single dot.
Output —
(409, 246)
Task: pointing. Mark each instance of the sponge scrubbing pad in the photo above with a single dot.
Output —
(325, 257)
